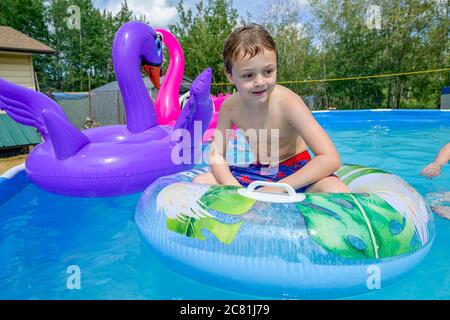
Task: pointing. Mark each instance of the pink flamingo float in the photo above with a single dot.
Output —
(167, 103)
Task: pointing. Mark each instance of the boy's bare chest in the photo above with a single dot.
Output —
(261, 121)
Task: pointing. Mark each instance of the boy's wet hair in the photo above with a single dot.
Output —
(247, 41)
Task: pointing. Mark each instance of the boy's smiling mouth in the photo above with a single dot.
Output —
(259, 93)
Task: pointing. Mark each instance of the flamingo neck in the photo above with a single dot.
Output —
(139, 109)
(167, 105)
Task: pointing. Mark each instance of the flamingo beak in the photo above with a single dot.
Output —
(154, 74)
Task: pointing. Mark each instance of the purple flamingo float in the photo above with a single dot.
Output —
(112, 160)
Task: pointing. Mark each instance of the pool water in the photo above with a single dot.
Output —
(43, 234)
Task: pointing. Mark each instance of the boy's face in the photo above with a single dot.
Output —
(255, 78)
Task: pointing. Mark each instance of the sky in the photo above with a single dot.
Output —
(161, 13)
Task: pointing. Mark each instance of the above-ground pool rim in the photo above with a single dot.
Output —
(11, 182)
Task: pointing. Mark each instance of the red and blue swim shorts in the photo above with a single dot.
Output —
(261, 172)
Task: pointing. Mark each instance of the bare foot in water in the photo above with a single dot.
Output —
(442, 211)
(439, 203)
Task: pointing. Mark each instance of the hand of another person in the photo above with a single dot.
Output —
(431, 170)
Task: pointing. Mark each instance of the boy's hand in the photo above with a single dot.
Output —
(431, 170)
(271, 189)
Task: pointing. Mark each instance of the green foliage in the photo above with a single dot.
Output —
(83, 56)
(335, 43)
(298, 57)
(413, 36)
(202, 35)
(28, 17)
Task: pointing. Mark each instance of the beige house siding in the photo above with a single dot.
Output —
(17, 68)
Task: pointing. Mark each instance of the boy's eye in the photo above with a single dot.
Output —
(247, 75)
(268, 72)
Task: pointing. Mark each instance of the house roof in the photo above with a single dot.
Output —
(13, 134)
(13, 40)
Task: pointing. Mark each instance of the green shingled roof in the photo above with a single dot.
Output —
(13, 134)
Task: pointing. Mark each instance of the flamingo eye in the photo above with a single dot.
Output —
(159, 44)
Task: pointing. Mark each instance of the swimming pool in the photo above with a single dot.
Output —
(43, 234)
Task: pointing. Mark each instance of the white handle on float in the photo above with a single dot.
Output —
(292, 196)
(252, 186)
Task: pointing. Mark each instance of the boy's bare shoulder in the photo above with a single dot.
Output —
(288, 99)
(230, 105)
(284, 93)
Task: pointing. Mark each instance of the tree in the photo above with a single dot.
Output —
(84, 60)
(403, 43)
(297, 56)
(124, 15)
(28, 17)
(202, 35)
(413, 35)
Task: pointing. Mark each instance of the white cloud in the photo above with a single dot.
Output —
(157, 12)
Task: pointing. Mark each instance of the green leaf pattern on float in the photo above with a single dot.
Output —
(354, 226)
(357, 226)
(187, 209)
(392, 189)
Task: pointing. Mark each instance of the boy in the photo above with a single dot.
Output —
(250, 57)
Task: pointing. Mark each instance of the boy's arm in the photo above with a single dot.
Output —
(217, 162)
(326, 160)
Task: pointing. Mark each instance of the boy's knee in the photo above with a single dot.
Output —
(329, 185)
(199, 179)
(335, 185)
(205, 178)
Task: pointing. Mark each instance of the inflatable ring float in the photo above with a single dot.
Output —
(311, 245)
